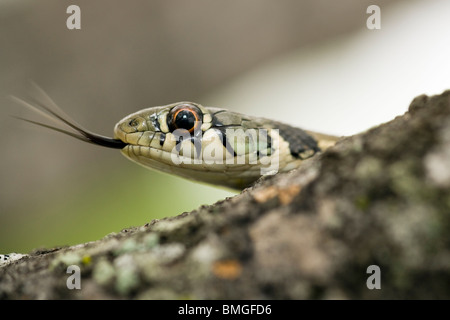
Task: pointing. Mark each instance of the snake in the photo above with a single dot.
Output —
(206, 144)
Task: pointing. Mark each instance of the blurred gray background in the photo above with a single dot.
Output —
(311, 63)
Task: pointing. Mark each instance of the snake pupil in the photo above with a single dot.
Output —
(185, 119)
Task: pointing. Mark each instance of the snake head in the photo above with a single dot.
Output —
(200, 143)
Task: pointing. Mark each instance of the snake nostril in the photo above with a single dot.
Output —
(133, 123)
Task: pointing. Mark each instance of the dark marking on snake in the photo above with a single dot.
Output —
(299, 141)
(162, 138)
(223, 137)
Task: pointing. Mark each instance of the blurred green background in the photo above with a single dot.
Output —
(309, 63)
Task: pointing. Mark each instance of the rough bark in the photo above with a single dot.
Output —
(381, 198)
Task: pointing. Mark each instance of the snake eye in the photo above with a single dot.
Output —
(184, 116)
